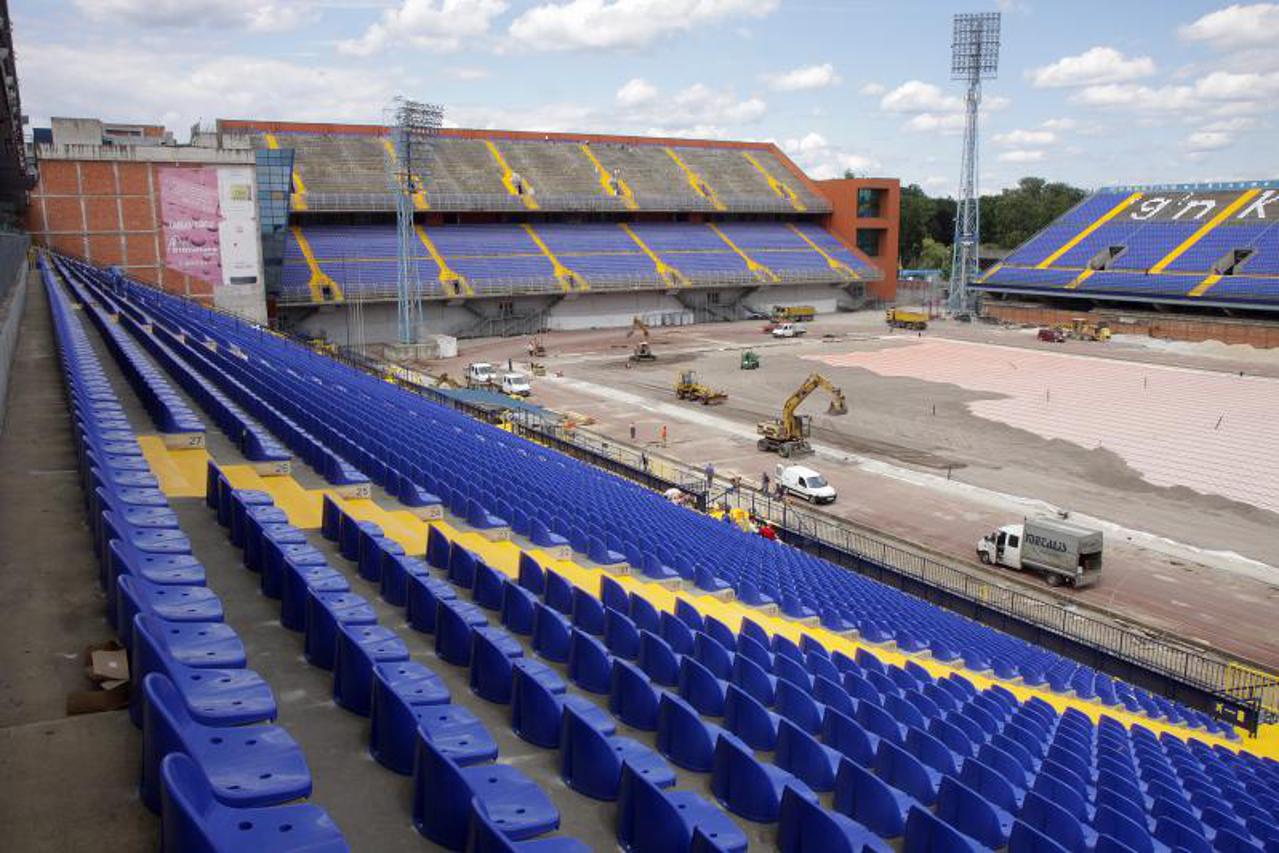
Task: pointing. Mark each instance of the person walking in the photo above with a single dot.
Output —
(765, 482)
(710, 474)
(663, 435)
(632, 431)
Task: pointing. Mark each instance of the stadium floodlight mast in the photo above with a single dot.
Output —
(412, 127)
(974, 57)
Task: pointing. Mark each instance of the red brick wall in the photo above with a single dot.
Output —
(1258, 334)
(107, 213)
(844, 222)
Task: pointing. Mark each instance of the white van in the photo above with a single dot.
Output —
(788, 330)
(516, 384)
(805, 482)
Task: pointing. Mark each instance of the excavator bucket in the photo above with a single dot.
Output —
(838, 406)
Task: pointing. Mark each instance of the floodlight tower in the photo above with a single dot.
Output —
(974, 57)
(412, 126)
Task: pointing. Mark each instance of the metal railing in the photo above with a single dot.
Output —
(357, 201)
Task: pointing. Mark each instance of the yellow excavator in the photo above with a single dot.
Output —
(643, 351)
(788, 436)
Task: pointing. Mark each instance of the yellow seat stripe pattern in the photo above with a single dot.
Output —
(1079, 238)
(1203, 230)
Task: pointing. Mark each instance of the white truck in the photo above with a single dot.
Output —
(788, 330)
(1064, 552)
(479, 374)
(806, 483)
(516, 384)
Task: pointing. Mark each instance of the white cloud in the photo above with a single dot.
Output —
(1219, 93)
(807, 77)
(1021, 156)
(636, 91)
(1025, 138)
(916, 96)
(469, 73)
(437, 25)
(1094, 66)
(178, 89)
(1252, 25)
(1208, 140)
(873, 90)
(822, 160)
(948, 124)
(622, 24)
(1056, 124)
(253, 15)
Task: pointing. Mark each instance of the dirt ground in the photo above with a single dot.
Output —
(911, 459)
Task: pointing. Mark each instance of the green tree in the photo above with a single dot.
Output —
(917, 212)
(1015, 215)
(934, 255)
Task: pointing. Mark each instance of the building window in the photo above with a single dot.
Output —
(869, 241)
(869, 203)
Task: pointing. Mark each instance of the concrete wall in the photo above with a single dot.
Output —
(844, 222)
(13, 300)
(613, 310)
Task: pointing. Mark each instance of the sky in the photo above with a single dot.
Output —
(1091, 93)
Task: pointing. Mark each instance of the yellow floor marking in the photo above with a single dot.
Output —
(180, 472)
(1080, 279)
(508, 177)
(757, 269)
(695, 181)
(319, 278)
(1203, 230)
(419, 196)
(1202, 287)
(841, 268)
(1078, 238)
(610, 183)
(778, 187)
(668, 273)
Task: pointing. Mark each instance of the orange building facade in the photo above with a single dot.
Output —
(866, 215)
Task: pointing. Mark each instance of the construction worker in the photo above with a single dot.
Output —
(710, 474)
(765, 482)
(663, 435)
(632, 430)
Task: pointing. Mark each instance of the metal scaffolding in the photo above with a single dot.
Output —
(411, 127)
(974, 57)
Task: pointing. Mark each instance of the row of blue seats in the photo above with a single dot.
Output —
(617, 518)
(217, 782)
(461, 794)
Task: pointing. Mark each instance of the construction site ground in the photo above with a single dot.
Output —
(935, 451)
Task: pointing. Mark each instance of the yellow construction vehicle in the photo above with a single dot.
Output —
(643, 351)
(536, 349)
(1081, 329)
(443, 380)
(793, 313)
(788, 436)
(687, 387)
(901, 319)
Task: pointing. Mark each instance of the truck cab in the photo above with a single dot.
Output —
(1002, 547)
(479, 373)
(788, 330)
(516, 384)
(806, 483)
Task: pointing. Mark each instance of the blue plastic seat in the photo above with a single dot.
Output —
(443, 791)
(325, 611)
(1064, 794)
(485, 835)
(749, 720)
(651, 819)
(658, 660)
(171, 603)
(531, 576)
(797, 705)
(558, 594)
(879, 722)
(846, 736)
(461, 569)
(925, 833)
(712, 654)
(493, 651)
(683, 737)
(400, 691)
(904, 772)
(800, 754)
(932, 752)
(203, 645)
(591, 762)
(1026, 839)
(748, 788)
(455, 620)
(754, 679)
(372, 546)
(620, 634)
(865, 798)
(488, 588)
(550, 634)
(537, 706)
(806, 827)
(590, 666)
(396, 569)
(1055, 822)
(456, 732)
(676, 633)
(970, 813)
(644, 614)
(700, 688)
(245, 765)
(423, 597)
(193, 821)
(296, 583)
(359, 649)
(631, 698)
(517, 609)
(587, 612)
(1181, 836)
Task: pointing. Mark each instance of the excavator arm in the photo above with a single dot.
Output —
(638, 325)
(838, 405)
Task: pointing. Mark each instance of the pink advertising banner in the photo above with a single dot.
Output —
(189, 218)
